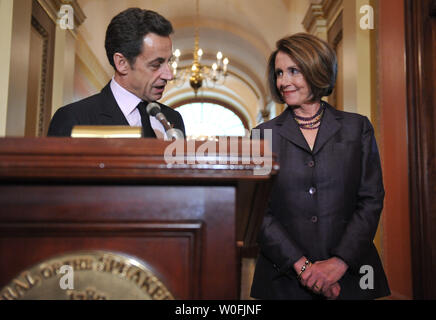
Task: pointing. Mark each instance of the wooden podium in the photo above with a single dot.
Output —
(187, 220)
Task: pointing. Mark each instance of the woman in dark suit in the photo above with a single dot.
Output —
(316, 240)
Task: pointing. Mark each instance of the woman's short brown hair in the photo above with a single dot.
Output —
(314, 57)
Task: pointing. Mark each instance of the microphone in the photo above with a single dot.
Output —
(153, 109)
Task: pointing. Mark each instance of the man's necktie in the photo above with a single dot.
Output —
(147, 130)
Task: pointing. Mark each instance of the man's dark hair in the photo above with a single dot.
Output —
(127, 29)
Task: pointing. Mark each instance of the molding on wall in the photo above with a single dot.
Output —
(319, 17)
(314, 21)
(51, 7)
(90, 64)
(42, 103)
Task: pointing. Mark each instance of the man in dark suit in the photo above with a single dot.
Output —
(139, 47)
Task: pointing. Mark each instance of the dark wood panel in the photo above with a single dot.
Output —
(421, 79)
(392, 102)
(123, 159)
(179, 268)
(60, 194)
(79, 203)
(112, 212)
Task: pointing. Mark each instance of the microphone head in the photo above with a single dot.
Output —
(153, 109)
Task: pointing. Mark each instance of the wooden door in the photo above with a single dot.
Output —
(421, 89)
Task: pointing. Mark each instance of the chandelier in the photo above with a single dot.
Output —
(198, 73)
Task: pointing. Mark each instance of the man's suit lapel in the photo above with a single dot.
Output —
(110, 113)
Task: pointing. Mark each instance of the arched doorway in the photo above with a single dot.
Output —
(209, 117)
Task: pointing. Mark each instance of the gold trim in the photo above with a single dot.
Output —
(43, 79)
(106, 132)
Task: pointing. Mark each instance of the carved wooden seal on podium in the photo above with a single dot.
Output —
(92, 275)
